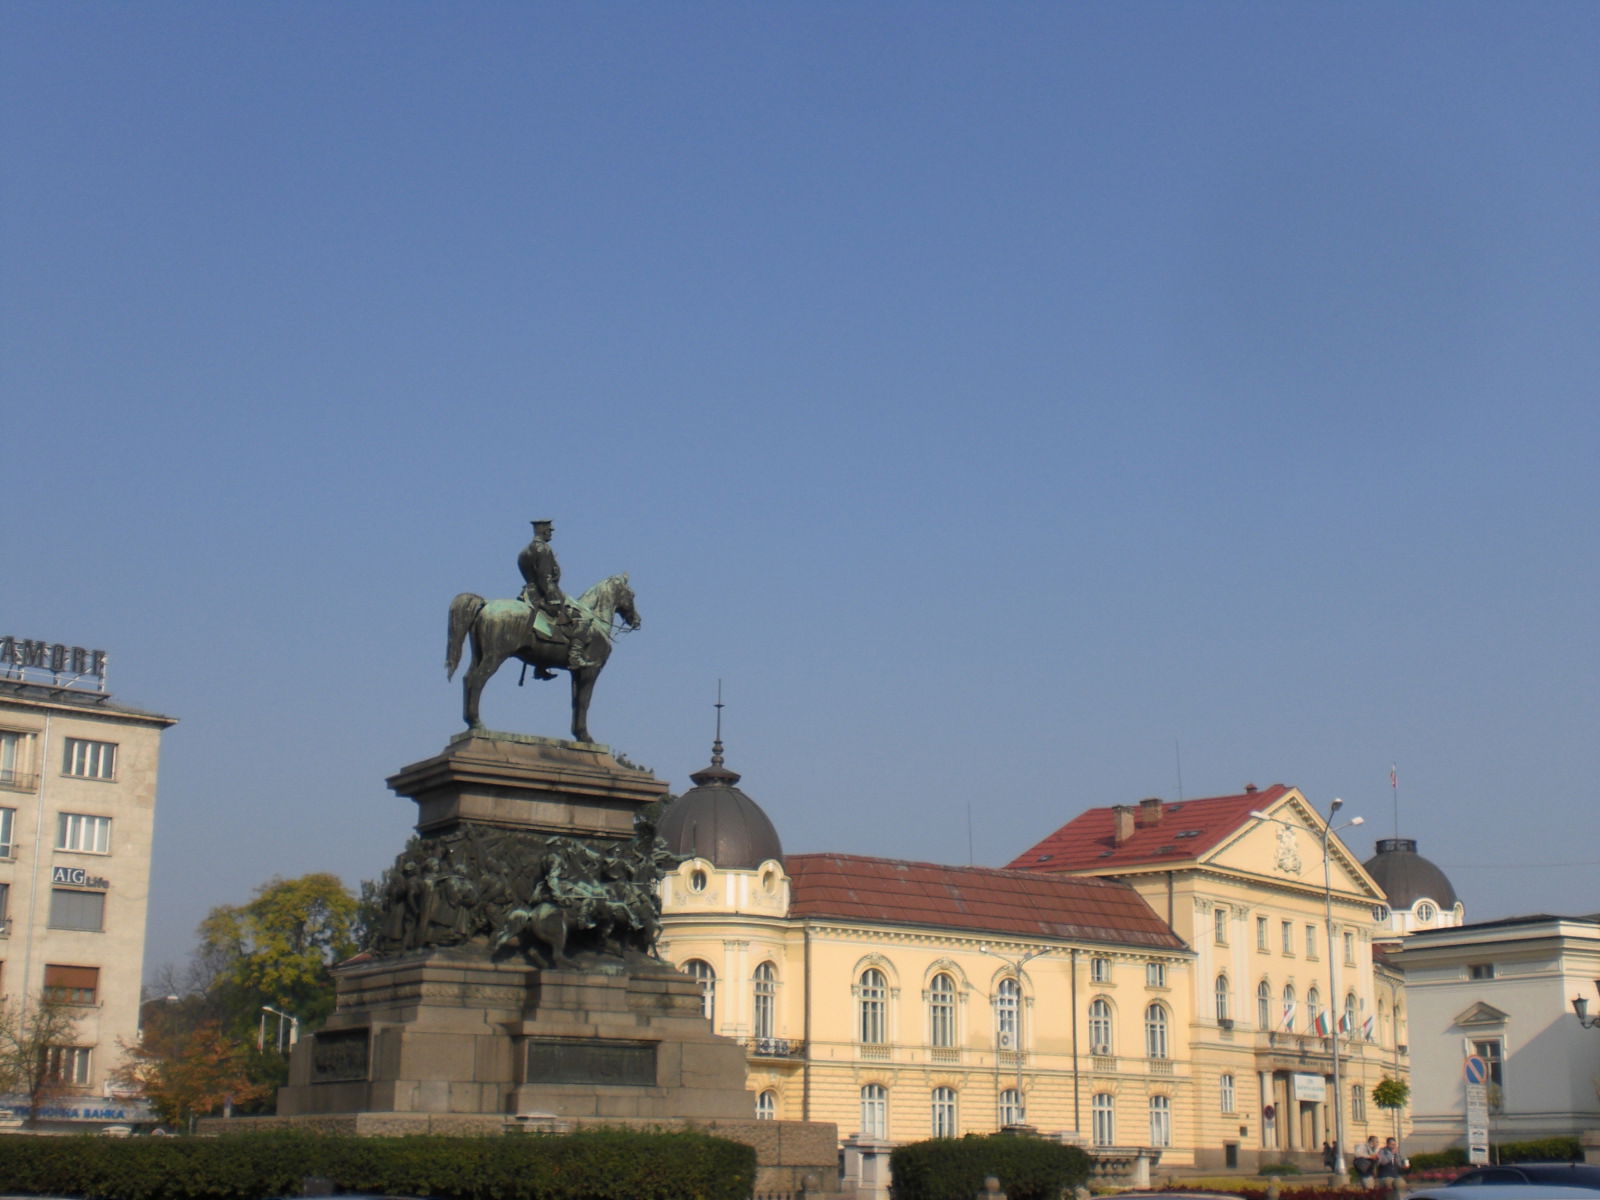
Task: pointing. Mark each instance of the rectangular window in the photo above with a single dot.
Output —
(90, 760)
(1288, 937)
(67, 1064)
(15, 759)
(1480, 971)
(1220, 920)
(1160, 1121)
(1349, 948)
(1261, 933)
(5, 909)
(1228, 1098)
(1311, 941)
(1493, 1054)
(1155, 974)
(71, 909)
(1358, 1103)
(90, 835)
(71, 985)
(1100, 970)
(1105, 1119)
(8, 826)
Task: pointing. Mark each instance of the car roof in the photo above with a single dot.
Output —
(1509, 1191)
(1564, 1174)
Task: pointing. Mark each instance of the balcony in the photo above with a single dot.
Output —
(19, 781)
(776, 1048)
(873, 1051)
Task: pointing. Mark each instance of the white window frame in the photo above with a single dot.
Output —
(1222, 995)
(1101, 1027)
(1264, 1005)
(764, 995)
(875, 1111)
(1228, 1097)
(1219, 921)
(1156, 1024)
(1262, 937)
(83, 758)
(942, 1012)
(1103, 1118)
(705, 975)
(72, 1065)
(767, 1106)
(1160, 1121)
(54, 892)
(1099, 970)
(8, 829)
(1008, 1014)
(943, 1112)
(83, 833)
(1010, 1107)
(872, 1008)
(1155, 974)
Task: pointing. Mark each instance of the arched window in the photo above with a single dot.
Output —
(702, 973)
(765, 986)
(1220, 991)
(1352, 1010)
(875, 1111)
(1160, 1121)
(1104, 1110)
(1006, 1005)
(1100, 1026)
(1155, 1032)
(942, 1012)
(944, 1112)
(1314, 1013)
(873, 1000)
(1264, 1005)
(1227, 1096)
(1286, 1019)
(1010, 1107)
(767, 1106)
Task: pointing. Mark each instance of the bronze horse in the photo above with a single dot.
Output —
(502, 629)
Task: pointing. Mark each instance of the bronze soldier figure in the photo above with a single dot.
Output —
(541, 588)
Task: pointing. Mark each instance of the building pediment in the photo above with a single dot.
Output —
(1481, 1014)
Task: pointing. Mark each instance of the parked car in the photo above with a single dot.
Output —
(1566, 1175)
(1520, 1181)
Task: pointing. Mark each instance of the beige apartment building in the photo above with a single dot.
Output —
(1152, 980)
(77, 808)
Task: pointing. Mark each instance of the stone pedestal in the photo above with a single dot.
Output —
(451, 1031)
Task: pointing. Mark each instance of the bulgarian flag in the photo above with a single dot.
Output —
(1288, 1015)
(1323, 1025)
(1367, 1026)
(1346, 1023)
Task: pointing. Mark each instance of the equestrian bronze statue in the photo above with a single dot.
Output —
(543, 627)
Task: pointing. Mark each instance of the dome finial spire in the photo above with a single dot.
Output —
(716, 746)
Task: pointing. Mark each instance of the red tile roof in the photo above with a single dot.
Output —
(979, 899)
(1186, 830)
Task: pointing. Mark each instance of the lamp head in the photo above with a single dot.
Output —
(1335, 806)
(1580, 1005)
(1358, 820)
(1259, 815)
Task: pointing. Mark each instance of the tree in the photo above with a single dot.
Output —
(1391, 1093)
(38, 1051)
(189, 1072)
(277, 950)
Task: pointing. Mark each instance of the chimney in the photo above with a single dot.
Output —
(1249, 789)
(1124, 818)
(1150, 811)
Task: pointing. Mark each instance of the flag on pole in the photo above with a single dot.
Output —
(1288, 1015)
(1366, 1027)
(1394, 776)
(1347, 1022)
(1324, 1023)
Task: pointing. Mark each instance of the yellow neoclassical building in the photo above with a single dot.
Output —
(1152, 980)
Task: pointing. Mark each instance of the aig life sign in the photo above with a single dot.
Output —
(77, 877)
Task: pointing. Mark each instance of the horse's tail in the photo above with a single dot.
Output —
(464, 610)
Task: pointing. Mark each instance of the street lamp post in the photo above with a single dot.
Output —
(1017, 965)
(1580, 1007)
(1328, 830)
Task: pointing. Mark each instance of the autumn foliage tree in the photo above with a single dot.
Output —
(188, 1072)
(278, 949)
(36, 1040)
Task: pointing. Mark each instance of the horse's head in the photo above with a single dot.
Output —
(624, 597)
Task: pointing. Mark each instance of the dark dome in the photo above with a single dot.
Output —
(1406, 877)
(714, 820)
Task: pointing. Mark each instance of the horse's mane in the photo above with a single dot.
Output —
(609, 588)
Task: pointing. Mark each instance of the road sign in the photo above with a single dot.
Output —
(1477, 1119)
(1475, 1069)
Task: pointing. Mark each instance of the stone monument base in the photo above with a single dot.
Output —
(449, 1032)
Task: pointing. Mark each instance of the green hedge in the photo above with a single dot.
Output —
(1028, 1168)
(1555, 1149)
(598, 1165)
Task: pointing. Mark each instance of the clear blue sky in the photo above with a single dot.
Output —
(1008, 402)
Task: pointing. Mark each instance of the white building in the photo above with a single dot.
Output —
(1503, 990)
(77, 810)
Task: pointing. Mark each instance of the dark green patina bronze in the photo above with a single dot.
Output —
(543, 627)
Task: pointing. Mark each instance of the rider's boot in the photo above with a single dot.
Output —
(575, 656)
(543, 673)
